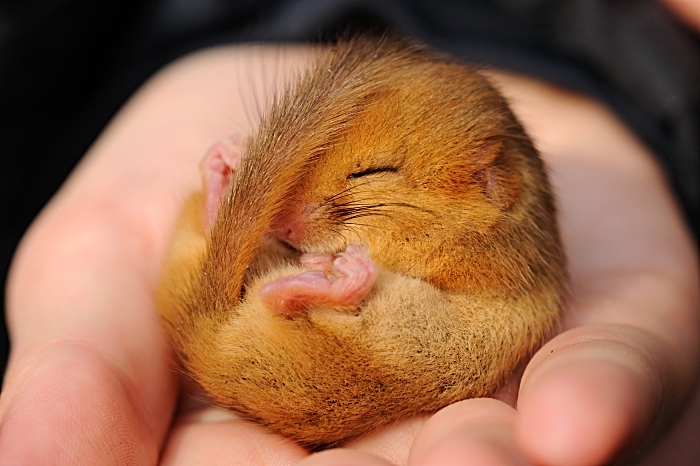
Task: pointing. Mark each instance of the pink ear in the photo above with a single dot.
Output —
(217, 169)
(499, 180)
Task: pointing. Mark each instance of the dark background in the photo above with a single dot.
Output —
(67, 65)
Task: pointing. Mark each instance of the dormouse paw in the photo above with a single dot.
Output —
(352, 275)
(217, 169)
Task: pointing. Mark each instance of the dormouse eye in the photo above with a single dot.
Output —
(372, 171)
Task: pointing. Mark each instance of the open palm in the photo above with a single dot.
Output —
(92, 380)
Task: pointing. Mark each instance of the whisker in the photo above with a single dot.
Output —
(399, 212)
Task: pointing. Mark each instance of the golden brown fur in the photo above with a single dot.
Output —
(420, 159)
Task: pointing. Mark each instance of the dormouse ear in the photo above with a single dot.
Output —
(217, 169)
(499, 181)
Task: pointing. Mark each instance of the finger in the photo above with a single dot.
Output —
(634, 287)
(686, 10)
(391, 443)
(476, 431)
(343, 457)
(88, 361)
(680, 446)
(71, 405)
(217, 437)
(591, 392)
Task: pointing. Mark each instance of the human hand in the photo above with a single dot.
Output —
(91, 380)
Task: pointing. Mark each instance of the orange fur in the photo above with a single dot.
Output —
(416, 156)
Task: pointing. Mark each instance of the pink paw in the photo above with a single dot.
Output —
(217, 168)
(353, 275)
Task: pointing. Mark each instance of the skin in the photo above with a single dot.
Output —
(90, 379)
(687, 11)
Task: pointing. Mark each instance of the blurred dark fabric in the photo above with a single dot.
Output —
(67, 65)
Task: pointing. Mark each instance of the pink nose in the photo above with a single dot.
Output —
(291, 226)
(287, 233)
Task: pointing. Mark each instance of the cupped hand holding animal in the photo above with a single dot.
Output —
(91, 381)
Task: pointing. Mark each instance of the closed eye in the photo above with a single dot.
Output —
(372, 171)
